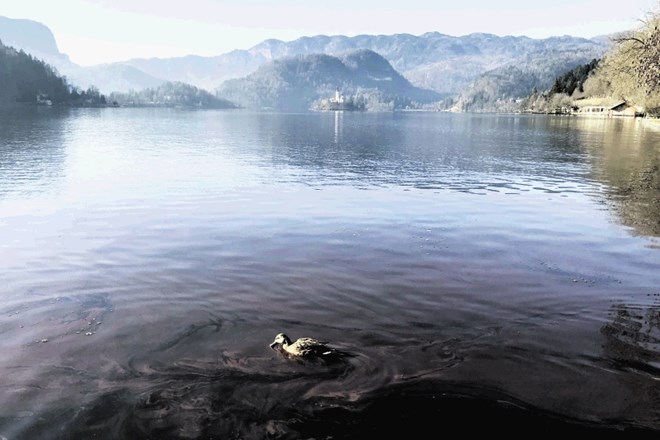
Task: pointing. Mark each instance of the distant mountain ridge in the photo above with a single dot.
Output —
(432, 60)
(469, 67)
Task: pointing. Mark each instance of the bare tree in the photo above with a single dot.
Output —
(631, 70)
(642, 48)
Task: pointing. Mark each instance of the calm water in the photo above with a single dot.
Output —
(498, 269)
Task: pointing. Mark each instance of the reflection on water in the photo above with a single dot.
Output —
(31, 149)
(626, 157)
(339, 126)
(473, 266)
(479, 153)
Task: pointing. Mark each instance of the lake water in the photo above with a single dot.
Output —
(480, 271)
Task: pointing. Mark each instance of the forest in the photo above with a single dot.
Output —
(27, 80)
(629, 72)
(171, 94)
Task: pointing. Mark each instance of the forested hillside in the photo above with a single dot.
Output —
(23, 77)
(502, 89)
(629, 72)
(574, 79)
(171, 94)
(296, 83)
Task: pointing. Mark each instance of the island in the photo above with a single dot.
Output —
(339, 102)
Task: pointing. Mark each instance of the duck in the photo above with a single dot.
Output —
(303, 348)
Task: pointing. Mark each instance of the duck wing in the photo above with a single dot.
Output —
(309, 342)
(311, 346)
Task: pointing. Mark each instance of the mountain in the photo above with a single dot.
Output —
(296, 83)
(436, 61)
(33, 38)
(38, 40)
(111, 77)
(204, 72)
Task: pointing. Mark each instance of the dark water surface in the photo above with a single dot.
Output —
(481, 271)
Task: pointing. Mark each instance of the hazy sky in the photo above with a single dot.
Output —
(96, 31)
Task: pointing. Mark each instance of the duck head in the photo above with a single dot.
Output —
(282, 339)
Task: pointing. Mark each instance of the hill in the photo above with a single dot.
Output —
(502, 88)
(171, 94)
(297, 83)
(24, 78)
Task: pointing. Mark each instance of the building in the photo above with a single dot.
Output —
(619, 109)
(43, 99)
(338, 98)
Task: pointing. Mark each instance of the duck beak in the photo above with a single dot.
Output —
(273, 345)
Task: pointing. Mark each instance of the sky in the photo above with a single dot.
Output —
(100, 31)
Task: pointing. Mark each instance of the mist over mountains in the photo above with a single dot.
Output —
(477, 69)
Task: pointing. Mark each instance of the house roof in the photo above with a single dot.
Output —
(597, 102)
(617, 105)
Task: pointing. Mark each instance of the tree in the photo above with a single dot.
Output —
(644, 48)
(574, 79)
(631, 71)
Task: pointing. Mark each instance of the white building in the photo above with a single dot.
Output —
(338, 98)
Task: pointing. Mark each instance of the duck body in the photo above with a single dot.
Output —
(301, 348)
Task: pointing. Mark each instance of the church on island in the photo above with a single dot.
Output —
(338, 102)
(338, 98)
